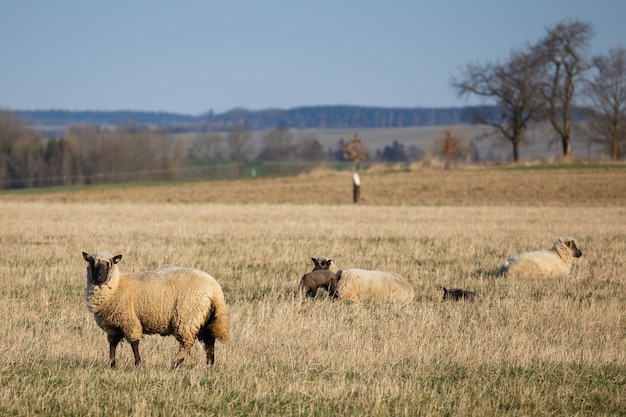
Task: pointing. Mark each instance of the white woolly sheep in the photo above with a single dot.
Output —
(184, 302)
(316, 279)
(361, 284)
(553, 263)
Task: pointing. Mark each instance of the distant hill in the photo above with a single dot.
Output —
(315, 117)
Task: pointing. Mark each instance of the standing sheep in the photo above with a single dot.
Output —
(183, 302)
(361, 284)
(555, 262)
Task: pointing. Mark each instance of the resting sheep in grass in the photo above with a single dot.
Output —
(555, 262)
(457, 294)
(361, 284)
(316, 279)
(183, 302)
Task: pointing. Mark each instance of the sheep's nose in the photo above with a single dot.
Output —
(101, 274)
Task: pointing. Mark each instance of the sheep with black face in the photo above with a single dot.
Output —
(361, 284)
(555, 262)
(184, 302)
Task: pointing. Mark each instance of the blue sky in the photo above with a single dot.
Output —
(194, 56)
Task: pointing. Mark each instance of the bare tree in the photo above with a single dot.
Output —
(562, 52)
(512, 86)
(207, 147)
(11, 128)
(21, 153)
(93, 152)
(62, 162)
(277, 145)
(309, 148)
(239, 142)
(607, 92)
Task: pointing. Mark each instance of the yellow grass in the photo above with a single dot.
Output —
(527, 348)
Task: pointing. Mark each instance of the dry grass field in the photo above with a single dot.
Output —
(535, 347)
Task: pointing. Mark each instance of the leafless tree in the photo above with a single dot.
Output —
(277, 145)
(309, 148)
(62, 162)
(239, 142)
(207, 147)
(513, 89)
(607, 93)
(21, 153)
(563, 53)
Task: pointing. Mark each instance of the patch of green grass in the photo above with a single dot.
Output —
(560, 166)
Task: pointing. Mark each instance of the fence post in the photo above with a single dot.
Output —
(356, 187)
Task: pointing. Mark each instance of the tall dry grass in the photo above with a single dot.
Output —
(528, 348)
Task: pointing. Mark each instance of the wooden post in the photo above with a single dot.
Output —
(356, 187)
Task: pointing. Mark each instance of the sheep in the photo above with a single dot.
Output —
(361, 284)
(457, 294)
(184, 302)
(316, 279)
(553, 263)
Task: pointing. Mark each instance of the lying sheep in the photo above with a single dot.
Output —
(316, 279)
(183, 302)
(555, 262)
(457, 294)
(361, 284)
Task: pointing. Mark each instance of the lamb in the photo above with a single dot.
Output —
(457, 294)
(184, 302)
(553, 263)
(361, 284)
(316, 279)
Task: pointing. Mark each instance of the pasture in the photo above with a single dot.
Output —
(535, 347)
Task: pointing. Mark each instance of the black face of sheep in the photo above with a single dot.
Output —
(457, 294)
(576, 253)
(99, 272)
(321, 263)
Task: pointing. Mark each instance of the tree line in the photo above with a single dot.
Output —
(543, 82)
(313, 117)
(91, 154)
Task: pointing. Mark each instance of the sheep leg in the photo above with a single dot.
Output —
(114, 340)
(135, 346)
(209, 347)
(184, 349)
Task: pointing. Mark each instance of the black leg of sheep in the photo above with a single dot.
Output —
(114, 340)
(135, 346)
(209, 346)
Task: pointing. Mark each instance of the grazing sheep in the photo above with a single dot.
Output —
(316, 279)
(457, 294)
(555, 262)
(183, 302)
(361, 284)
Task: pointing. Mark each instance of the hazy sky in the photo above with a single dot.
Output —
(193, 56)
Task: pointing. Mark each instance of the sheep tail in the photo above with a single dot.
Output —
(218, 322)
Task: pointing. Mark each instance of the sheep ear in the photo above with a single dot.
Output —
(117, 258)
(86, 257)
